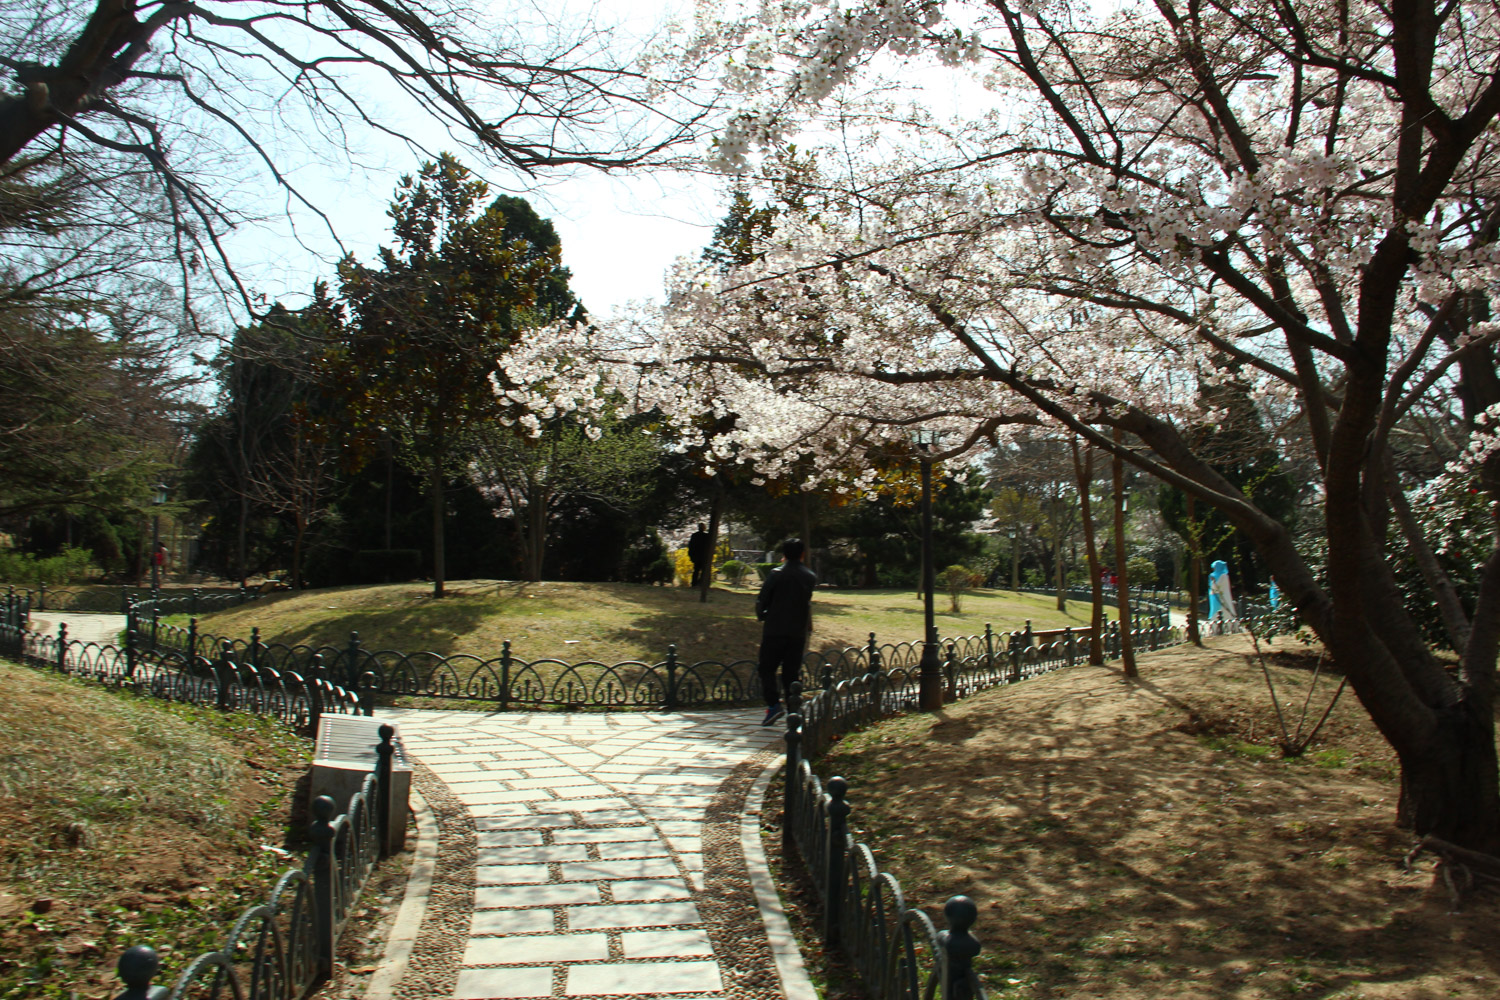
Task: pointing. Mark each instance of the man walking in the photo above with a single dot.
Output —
(784, 606)
(699, 555)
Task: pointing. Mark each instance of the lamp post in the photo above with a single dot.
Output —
(159, 498)
(930, 684)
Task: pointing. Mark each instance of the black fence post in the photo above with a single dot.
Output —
(62, 648)
(872, 651)
(951, 668)
(504, 674)
(155, 623)
(320, 865)
(384, 751)
(989, 649)
(1015, 657)
(124, 600)
(243, 597)
(877, 673)
(192, 639)
(351, 669)
(255, 647)
(223, 671)
(959, 948)
(136, 968)
(793, 777)
(193, 602)
(1068, 649)
(313, 681)
(671, 676)
(1030, 638)
(838, 849)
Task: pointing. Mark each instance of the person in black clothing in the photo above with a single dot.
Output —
(784, 605)
(698, 554)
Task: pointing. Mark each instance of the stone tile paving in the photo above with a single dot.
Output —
(589, 864)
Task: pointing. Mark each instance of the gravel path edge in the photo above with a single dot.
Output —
(403, 935)
(795, 984)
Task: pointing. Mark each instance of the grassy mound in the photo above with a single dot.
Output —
(129, 821)
(1138, 840)
(609, 622)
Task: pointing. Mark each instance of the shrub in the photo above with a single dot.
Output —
(1142, 573)
(683, 568)
(71, 565)
(956, 579)
(764, 569)
(735, 571)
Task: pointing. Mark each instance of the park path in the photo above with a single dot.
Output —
(590, 875)
(84, 626)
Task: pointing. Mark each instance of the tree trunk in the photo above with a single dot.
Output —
(436, 488)
(1062, 572)
(1127, 647)
(1083, 469)
(390, 486)
(536, 530)
(1448, 780)
(1195, 574)
(713, 540)
(812, 563)
(297, 551)
(240, 536)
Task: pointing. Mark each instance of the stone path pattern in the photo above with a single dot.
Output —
(589, 844)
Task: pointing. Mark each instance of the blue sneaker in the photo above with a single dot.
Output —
(772, 714)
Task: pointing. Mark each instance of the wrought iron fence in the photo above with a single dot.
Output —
(283, 949)
(117, 600)
(297, 697)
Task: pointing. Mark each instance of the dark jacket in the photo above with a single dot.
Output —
(784, 603)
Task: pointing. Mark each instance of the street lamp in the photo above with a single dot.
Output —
(930, 685)
(157, 500)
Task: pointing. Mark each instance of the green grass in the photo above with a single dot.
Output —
(610, 622)
(136, 820)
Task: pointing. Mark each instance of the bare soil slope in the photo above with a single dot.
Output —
(1140, 840)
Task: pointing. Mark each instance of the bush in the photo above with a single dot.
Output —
(71, 565)
(735, 571)
(764, 569)
(956, 579)
(1142, 573)
(683, 568)
(645, 561)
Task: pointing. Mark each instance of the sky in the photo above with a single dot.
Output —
(620, 231)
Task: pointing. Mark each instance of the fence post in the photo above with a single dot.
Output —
(877, 671)
(1015, 657)
(672, 675)
(155, 623)
(313, 681)
(242, 594)
(384, 751)
(41, 601)
(255, 647)
(1029, 637)
(793, 762)
(838, 847)
(124, 600)
(504, 675)
(136, 968)
(989, 649)
(951, 666)
(223, 670)
(62, 648)
(192, 639)
(1068, 648)
(321, 867)
(351, 670)
(959, 948)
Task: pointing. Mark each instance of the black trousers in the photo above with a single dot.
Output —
(783, 654)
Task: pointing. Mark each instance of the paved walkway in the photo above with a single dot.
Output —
(589, 855)
(82, 625)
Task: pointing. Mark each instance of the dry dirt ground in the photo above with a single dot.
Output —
(1135, 840)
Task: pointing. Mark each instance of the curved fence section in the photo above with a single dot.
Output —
(282, 949)
(118, 600)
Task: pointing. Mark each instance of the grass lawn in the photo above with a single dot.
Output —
(130, 821)
(609, 622)
(1133, 840)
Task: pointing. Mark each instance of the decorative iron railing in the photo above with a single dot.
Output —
(297, 697)
(117, 600)
(283, 949)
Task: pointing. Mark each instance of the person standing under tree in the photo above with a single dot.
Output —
(699, 554)
(784, 607)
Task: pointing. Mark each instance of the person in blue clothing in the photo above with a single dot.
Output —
(1220, 596)
(784, 608)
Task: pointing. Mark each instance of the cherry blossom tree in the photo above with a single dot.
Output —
(1300, 197)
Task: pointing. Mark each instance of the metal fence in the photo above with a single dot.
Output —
(297, 697)
(283, 949)
(117, 600)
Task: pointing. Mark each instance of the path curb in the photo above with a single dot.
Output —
(795, 985)
(403, 935)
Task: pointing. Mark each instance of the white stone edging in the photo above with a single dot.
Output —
(789, 968)
(403, 935)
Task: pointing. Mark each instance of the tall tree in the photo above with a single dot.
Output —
(419, 357)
